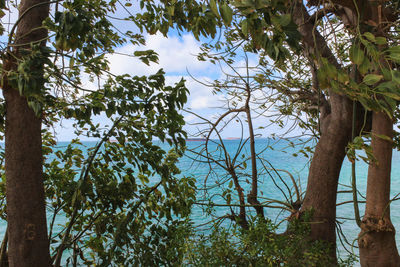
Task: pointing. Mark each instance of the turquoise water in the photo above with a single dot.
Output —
(272, 154)
(281, 156)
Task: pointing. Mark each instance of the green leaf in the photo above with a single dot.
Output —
(284, 20)
(365, 66)
(230, 184)
(392, 95)
(396, 76)
(394, 53)
(365, 103)
(387, 74)
(371, 79)
(245, 27)
(389, 86)
(356, 54)
(35, 106)
(384, 137)
(72, 62)
(380, 40)
(226, 13)
(331, 70)
(213, 7)
(370, 36)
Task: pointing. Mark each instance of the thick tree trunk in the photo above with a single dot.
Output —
(336, 124)
(27, 230)
(28, 241)
(377, 238)
(323, 179)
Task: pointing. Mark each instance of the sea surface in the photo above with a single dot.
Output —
(293, 156)
(278, 160)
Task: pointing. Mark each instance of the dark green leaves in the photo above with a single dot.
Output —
(147, 56)
(245, 27)
(213, 7)
(284, 20)
(226, 13)
(396, 76)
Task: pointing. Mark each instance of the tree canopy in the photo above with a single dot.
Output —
(331, 65)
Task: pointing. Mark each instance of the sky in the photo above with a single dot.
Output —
(178, 57)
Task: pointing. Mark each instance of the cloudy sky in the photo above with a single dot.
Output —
(177, 56)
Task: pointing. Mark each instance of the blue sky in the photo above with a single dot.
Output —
(177, 56)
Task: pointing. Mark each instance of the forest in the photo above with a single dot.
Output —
(327, 69)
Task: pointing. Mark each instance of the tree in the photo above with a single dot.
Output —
(27, 231)
(353, 75)
(235, 171)
(377, 238)
(273, 28)
(342, 76)
(40, 89)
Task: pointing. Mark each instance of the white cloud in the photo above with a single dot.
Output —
(123, 62)
(201, 96)
(240, 67)
(176, 55)
(190, 117)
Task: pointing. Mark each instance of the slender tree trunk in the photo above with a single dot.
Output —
(252, 196)
(377, 238)
(376, 241)
(27, 230)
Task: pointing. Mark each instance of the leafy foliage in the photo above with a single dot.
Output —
(121, 200)
(260, 245)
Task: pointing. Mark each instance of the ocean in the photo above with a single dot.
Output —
(293, 157)
(278, 161)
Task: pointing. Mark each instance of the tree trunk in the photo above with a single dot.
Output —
(336, 124)
(28, 243)
(377, 238)
(376, 241)
(323, 180)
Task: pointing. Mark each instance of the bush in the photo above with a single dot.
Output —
(260, 245)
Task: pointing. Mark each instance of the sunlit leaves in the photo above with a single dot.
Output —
(141, 108)
(356, 54)
(283, 20)
(245, 27)
(394, 53)
(372, 79)
(114, 181)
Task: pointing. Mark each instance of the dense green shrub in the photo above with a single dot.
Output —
(260, 245)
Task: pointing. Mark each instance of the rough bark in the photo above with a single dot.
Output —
(27, 230)
(323, 179)
(336, 121)
(377, 242)
(377, 238)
